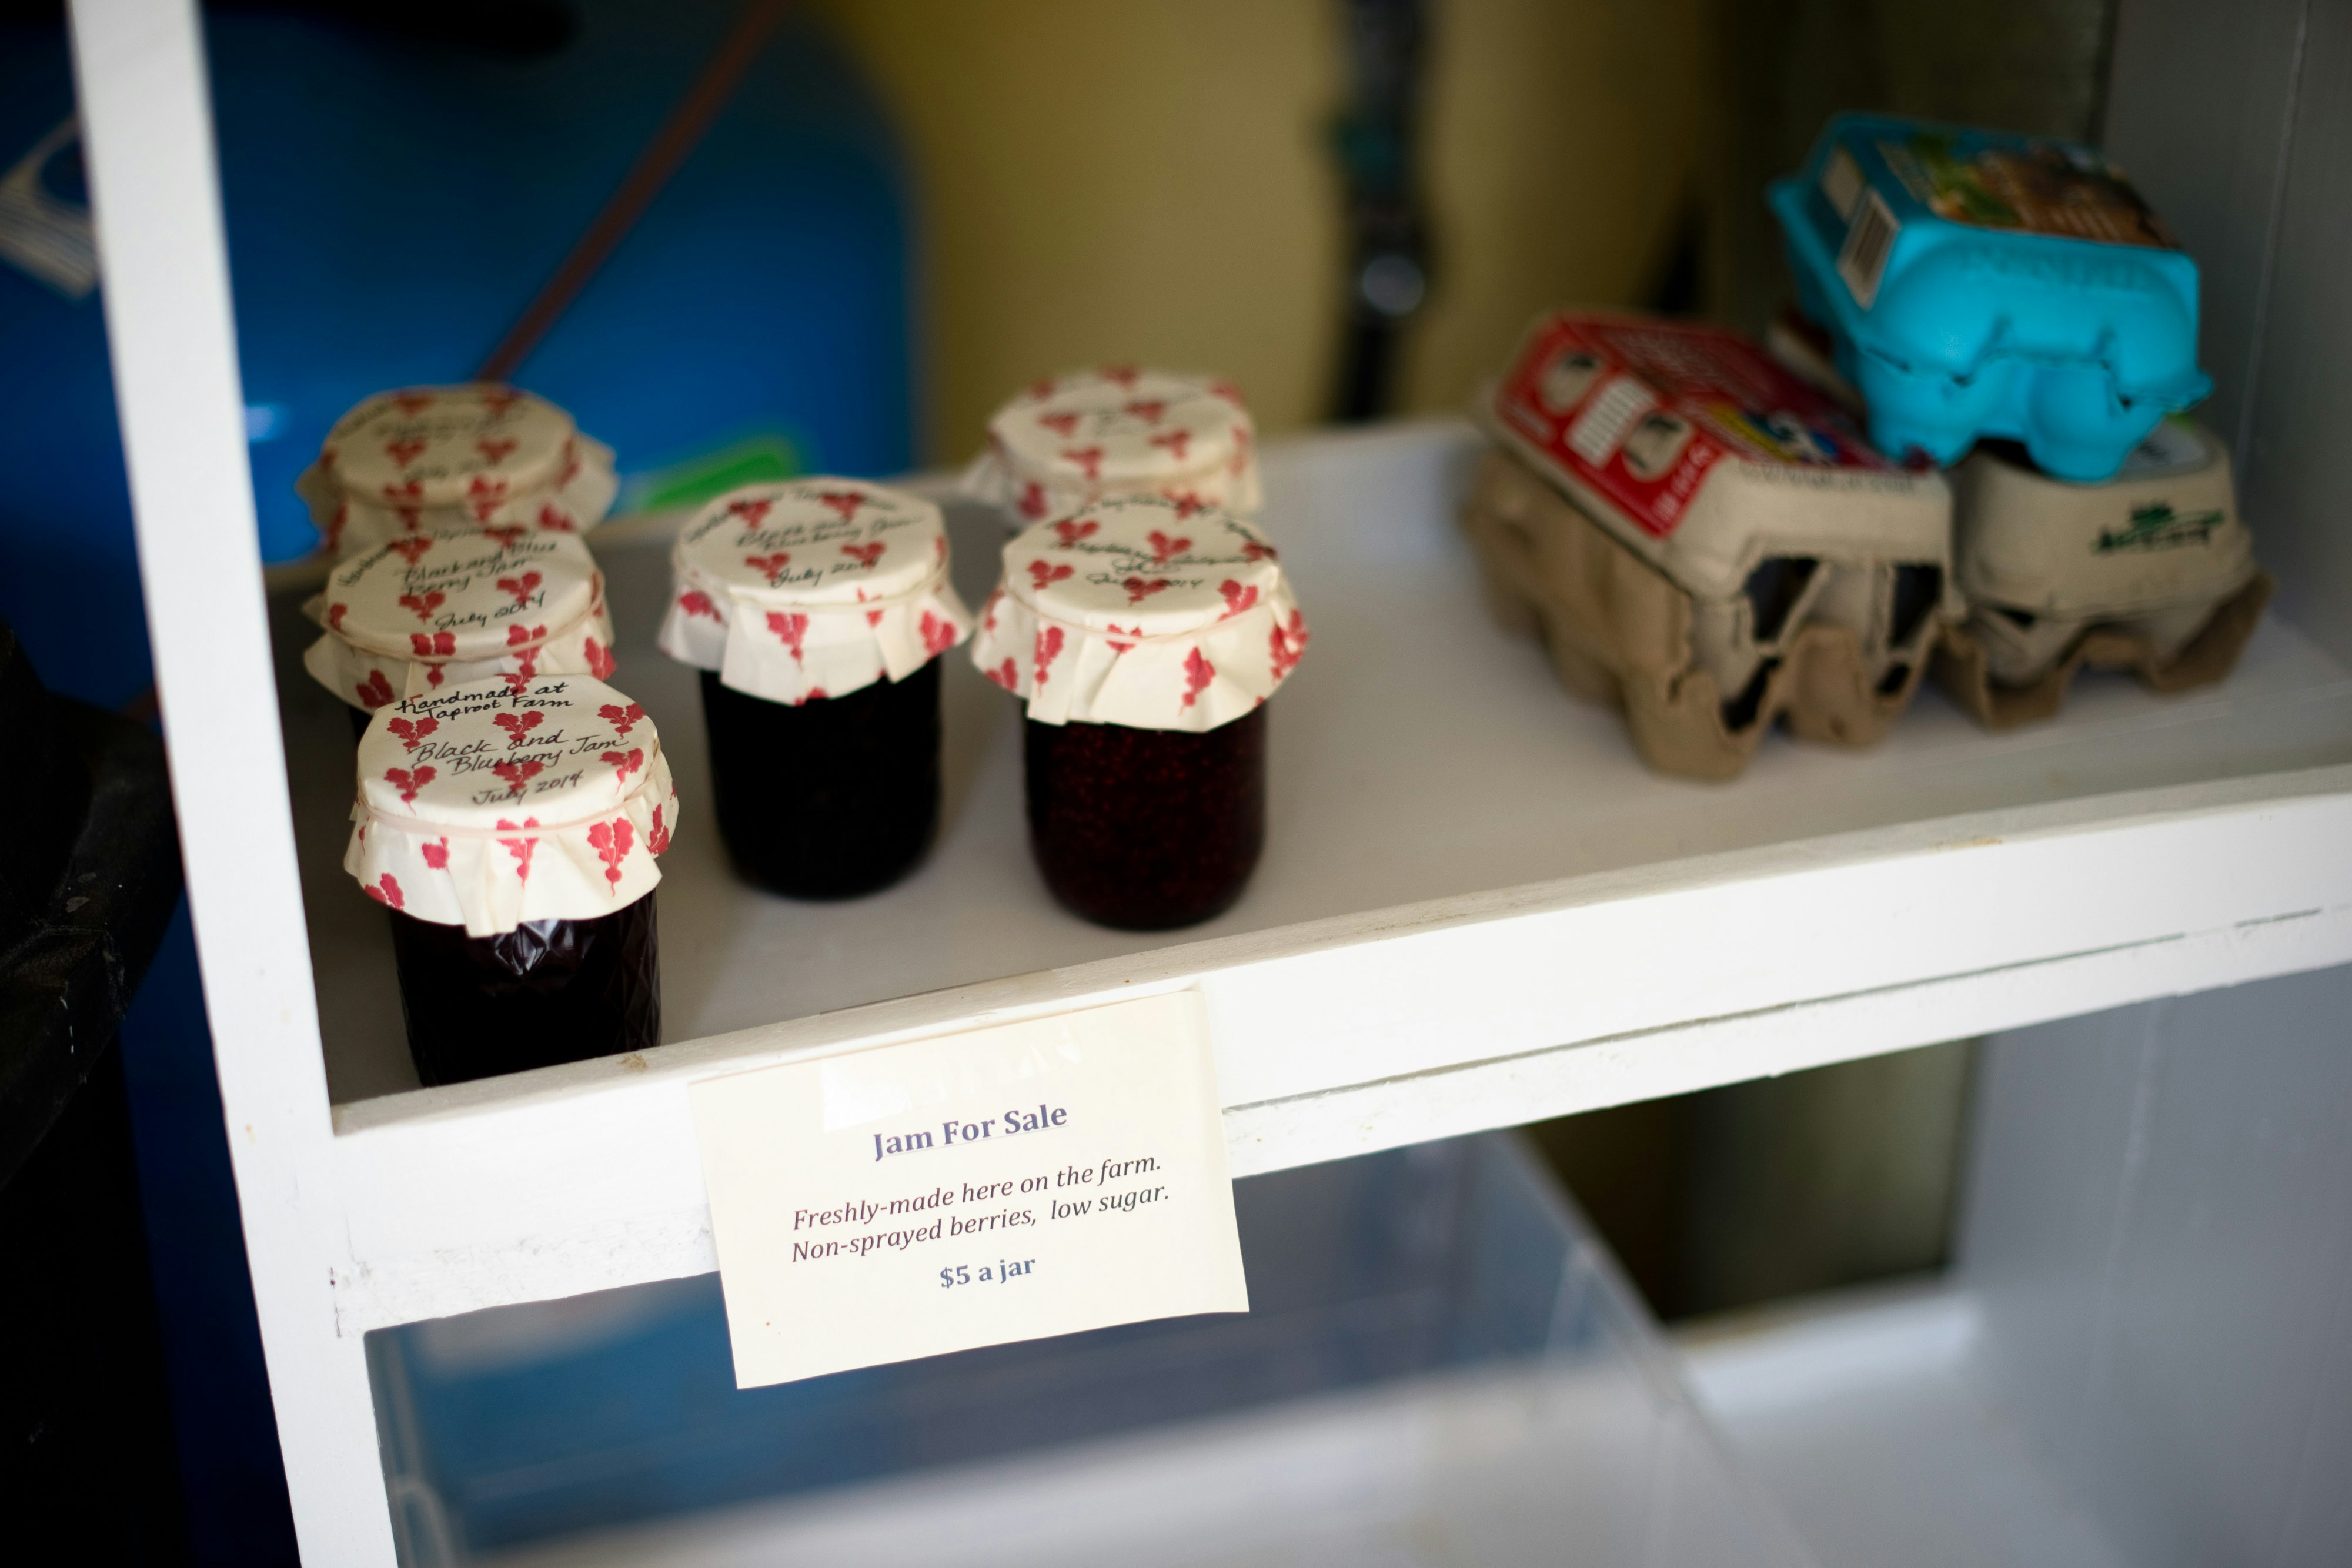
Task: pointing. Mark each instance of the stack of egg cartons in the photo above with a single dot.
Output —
(1977, 285)
(1706, 539)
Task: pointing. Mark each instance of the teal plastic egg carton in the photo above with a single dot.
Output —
(1979, 283)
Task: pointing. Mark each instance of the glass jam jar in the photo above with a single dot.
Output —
(816, 611)
(1145, 635)
(481, 454)
(510, 826)
(1074, 439)
(431, 611)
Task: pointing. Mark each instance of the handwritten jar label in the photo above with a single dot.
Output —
(1141, 611)
(814, 589)
(455, 606)
(505, 800)
(1003, 1184)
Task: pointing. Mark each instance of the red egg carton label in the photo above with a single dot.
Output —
(1639, 412)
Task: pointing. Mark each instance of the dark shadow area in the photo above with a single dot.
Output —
(1755, 1192)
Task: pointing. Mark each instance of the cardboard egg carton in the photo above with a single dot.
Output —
(1979, 283)
(2152, 571)
(1698, 679)
(1810, 575)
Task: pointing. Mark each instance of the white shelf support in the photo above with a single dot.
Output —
(147, 129)
(1409, 1024)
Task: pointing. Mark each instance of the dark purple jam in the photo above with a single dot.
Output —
(1147, 829)
(547, 991)
(833, 798)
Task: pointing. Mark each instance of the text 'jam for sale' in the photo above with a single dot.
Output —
(1005, 1184)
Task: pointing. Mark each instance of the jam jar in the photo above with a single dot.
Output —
(423, 458)
(1073, 439)
(427, 611)
(1145, 636)
(511, 828)
(816, 611)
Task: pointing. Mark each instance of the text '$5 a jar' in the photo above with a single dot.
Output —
(1146, 636)
(817, 611)
(510, 826)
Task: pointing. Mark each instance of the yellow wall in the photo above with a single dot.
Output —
(1558, 158)
(1102, 180)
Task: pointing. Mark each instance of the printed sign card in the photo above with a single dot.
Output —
(1003, 1184)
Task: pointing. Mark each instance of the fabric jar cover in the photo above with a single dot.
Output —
(1143, 611)
(425, 458)
(812, 588)
(490, 805)
(1077, 438)
(458, 606)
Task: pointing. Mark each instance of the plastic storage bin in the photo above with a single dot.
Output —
(1440, 1366)
(1979, 283)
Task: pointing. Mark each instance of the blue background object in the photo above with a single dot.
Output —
(393, 206)
(394, 203)
(232, 1480)
(2075, 346)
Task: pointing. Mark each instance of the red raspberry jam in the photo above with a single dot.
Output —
(545, 992)
(1147, 829)
(835, 798)
(1146, 633)
(817, 611)
(510, 829)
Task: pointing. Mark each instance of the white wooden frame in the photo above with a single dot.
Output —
(147, 134)
(1333, 1037)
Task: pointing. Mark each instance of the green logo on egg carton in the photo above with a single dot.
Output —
(2155, 527)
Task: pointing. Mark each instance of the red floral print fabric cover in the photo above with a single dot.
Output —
(460, 605)
(425, 458)
(1143, 611)
(812, 588)
(1119, 431)
(488, 805)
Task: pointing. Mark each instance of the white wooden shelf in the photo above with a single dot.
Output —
(1476, 908)
(1870, 1423)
